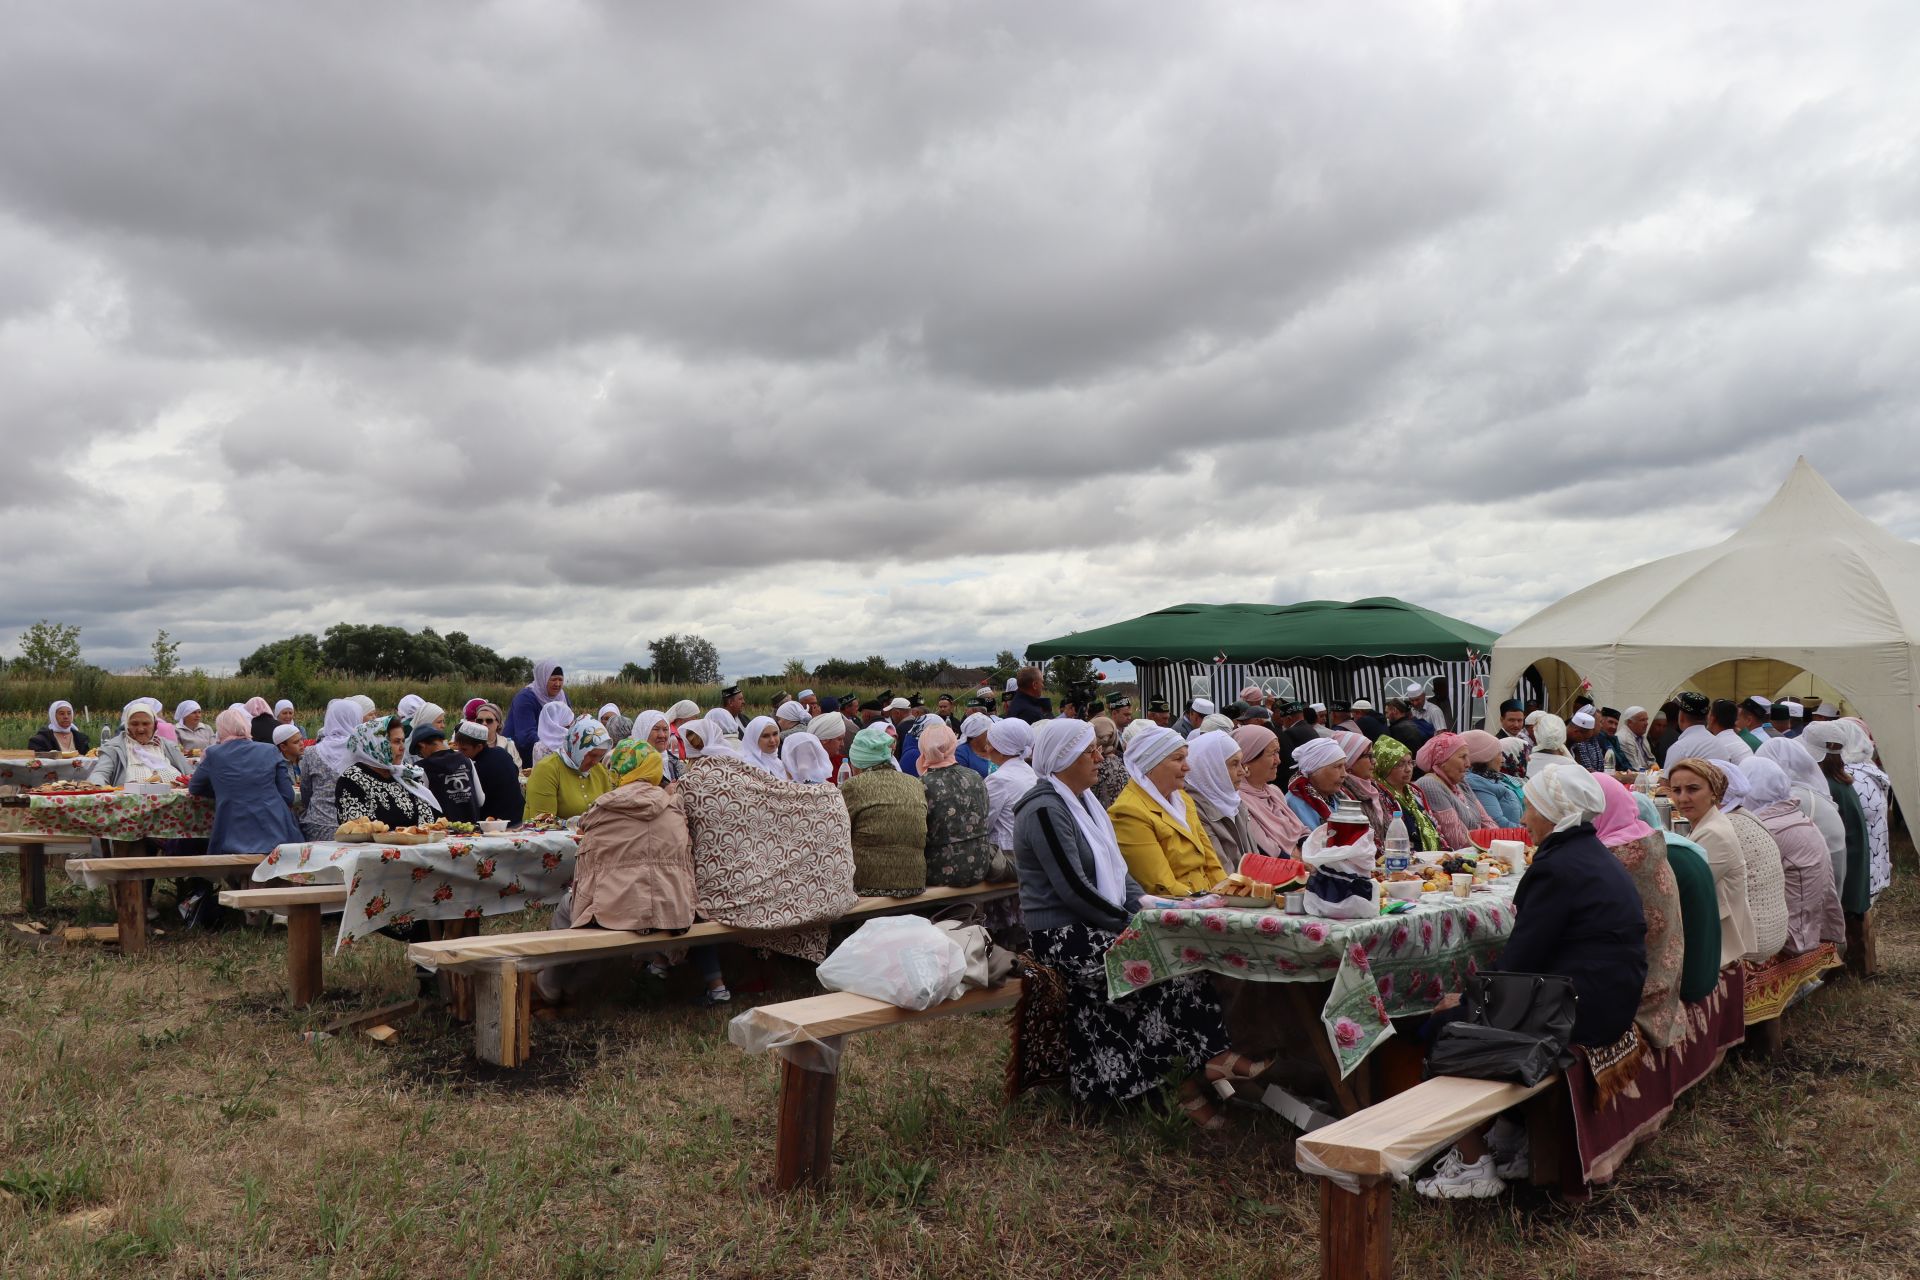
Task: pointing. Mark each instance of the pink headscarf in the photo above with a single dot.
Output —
(1441, 746)
(938, 742)
(1482, 747)
(1277, 830)
(1354, 744)
(231, 726)
(255, 707)
(472, 710)
(1619, 823)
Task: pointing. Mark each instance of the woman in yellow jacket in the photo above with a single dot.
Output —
(1159, 831)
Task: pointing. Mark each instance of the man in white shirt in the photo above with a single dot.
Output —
(1634, 746)
(1197, 710)
(1700, 740)
(1424, 710)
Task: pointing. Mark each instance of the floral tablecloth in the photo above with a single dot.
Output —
(1381, 968)
(123, 815)
(460, 878)
(37, 771)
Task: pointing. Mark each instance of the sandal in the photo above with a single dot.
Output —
(1235, 1067)
(1203, 1113)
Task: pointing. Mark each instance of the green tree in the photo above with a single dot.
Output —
(48, 649)
(166, 654)
(796, 673)
(634, 673)
(265, 660)
(687, 659)
(1005, 661)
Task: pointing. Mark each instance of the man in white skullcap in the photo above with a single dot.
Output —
(1197, 710)
(1426, 711)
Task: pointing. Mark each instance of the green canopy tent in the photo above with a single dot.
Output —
(1321, 648)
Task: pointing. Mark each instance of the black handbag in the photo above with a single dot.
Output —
(1512, 1026)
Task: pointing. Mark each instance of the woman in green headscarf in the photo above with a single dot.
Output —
(889, 814)
(1393, 773)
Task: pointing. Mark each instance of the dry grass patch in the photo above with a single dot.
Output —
(172, 1098)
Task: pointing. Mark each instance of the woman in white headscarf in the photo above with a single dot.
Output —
(705, 739)
(321, 767)
(760, 747)
(1581, 920)
(1812, 896)
(1808, 786)
(1217, 770)
(191, 732)
(1766, 879)
(555, 719)
(1549, 745)
(1076, 897)
(428, 715)
(60, 733)
(617, 725)
(651, 727)
(1874, 788)
(806, 760)
(368, 708)
(1006, 745)
(1167, 846)
(139, 754)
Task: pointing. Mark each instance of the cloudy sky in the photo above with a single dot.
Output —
(919, 329)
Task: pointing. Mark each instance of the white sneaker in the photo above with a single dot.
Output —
(1455, 1179)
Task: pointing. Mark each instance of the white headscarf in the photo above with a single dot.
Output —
(1736, 794)
(1550, 733)
(685, 709)
(367, 705)
(1310, 757)
(704, 739)
(792, 713)
(828, 724)
(52, 723)
(1208, 753)
(1056, 744)
(282, 705)
(333, 749)
(643, 725)
(727, 722)
(181, 710)
(607, 711)
(404, 708)
(974, 725)
(1797, 761)
(806, 760)
(1147, 752)
(1857, 743)
(750, 750)
(427, 712)
(150, 755)
(1013, 738)
(1767, 783)
(555, 719)
(1134, 730)
(1565, 797)
(1215, 723)
(543, 672)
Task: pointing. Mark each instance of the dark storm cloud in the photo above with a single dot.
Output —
(836, 328)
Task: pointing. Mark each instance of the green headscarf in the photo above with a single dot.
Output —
(871, 748)
(1389, 753)
(635, 761)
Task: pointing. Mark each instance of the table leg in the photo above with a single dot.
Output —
(1351, 1094)
(33, 877)
(456, 989)
(303, 954)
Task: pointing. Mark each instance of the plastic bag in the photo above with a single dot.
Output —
(1340, 884)
(905, 960)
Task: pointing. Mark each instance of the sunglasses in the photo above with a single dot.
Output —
(488, 720)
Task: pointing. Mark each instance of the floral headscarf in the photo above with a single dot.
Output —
(369, 746)
(1390, 753)
(585, 737)
(635, 761)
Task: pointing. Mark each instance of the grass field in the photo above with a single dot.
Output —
(160, 1117)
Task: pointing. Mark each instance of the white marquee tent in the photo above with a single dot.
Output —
(1810, 584)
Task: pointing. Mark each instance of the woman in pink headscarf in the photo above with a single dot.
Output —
(1643, 852)
(957, 850)
(1361, 786)
(1454, 808)
(1276, 830)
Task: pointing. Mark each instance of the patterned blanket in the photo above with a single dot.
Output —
(768, 854)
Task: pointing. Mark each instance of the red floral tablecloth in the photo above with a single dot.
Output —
(1382, 967)
(463, 877)
(37, 771)
(123, 815)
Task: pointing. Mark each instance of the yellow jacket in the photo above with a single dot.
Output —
(1163, 858)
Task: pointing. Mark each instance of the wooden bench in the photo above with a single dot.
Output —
(33, 847)
(502, 998)
(1395, 1137)
(803, 1147)
(302, 905)
(127, 879)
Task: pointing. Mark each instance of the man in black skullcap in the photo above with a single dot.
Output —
(1159, 712)
(1121, 712)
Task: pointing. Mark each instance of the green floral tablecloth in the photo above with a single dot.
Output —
(462, 877)
(123, 815)
(1381, 968)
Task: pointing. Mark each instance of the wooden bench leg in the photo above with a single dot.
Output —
(1356, 1237)
(303, 954)
(1862, 960)
(33, 878)
(1767, 1039)
(803, 1147)
(502, 1015)
(130, 913)
(456, 989)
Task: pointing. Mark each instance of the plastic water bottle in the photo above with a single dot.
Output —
(1610, 762)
